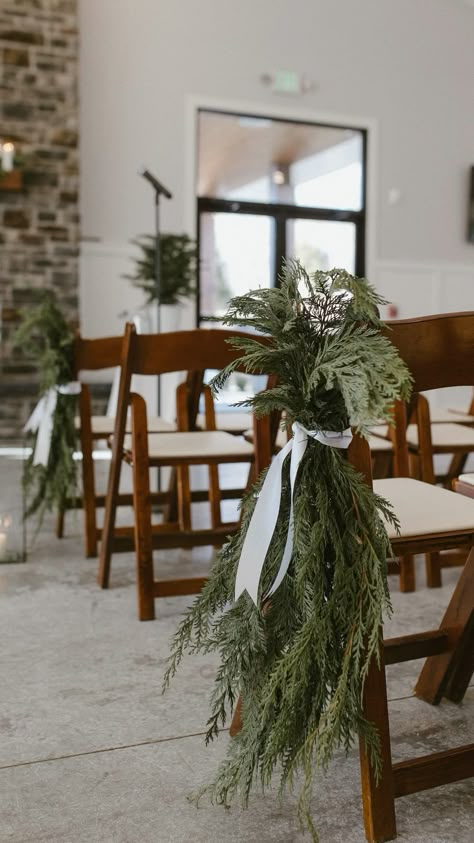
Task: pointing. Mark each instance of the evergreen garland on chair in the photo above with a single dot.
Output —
(45, 337)
(300, 661)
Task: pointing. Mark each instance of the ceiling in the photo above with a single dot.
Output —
(235, 150)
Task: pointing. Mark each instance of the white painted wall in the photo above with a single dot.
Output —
(406, 65)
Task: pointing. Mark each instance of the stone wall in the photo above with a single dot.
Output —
(39, 224)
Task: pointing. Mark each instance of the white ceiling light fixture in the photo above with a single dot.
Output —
(278, 177)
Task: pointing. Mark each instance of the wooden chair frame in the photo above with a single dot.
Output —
(417, 411)
(166, 536)
(439, 352)
(92, 355)
(89, 355)
(446, 673)
(186, 412)
(153, 355)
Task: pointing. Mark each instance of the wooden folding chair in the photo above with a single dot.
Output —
(93, 355)
(435, 431)
(427, 433)
(192, 351)
(439, 352)
(426, 439)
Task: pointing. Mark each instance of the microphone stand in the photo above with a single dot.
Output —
(160, 190)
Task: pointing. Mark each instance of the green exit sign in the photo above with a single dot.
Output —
(287, 82)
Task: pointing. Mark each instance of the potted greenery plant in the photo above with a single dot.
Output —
(178, 272)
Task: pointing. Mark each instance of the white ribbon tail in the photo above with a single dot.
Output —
(33, 422)
(41, 423)
(265, 515)
(260, 529)
(41, 420)
(300, 443)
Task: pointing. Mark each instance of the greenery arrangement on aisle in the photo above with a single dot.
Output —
(300, 653)
(45, 337)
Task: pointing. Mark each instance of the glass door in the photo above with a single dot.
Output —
(270, 189)
(236, 255)
(320, 244)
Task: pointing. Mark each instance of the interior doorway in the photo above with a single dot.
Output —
(271, 188)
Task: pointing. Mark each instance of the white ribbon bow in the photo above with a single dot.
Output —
(262, 525)
(42, 419)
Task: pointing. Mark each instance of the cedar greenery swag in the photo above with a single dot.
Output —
(300, 661)
(46, 337)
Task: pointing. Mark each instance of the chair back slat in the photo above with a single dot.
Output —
(438, 350)
(197, 350)
(101, 353)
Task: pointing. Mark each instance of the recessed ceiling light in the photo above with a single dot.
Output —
(278, 177)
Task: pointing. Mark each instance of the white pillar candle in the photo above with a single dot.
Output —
(3, 546)
(8, 151)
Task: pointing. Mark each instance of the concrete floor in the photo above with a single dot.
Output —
(91, 752)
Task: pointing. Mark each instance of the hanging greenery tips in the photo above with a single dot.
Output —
(49, 477)
(298, 648)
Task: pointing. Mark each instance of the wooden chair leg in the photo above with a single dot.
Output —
(214, 496)
(382, 465)
(109, 518)
(425, 444)
(60, 523)
(236, 723)
(433, 570)
(107, 539)
(456, 467)
(184, 497)
(170, 510)
(414, 463)
(142, 508)
(378, 798)
(213, 470)
(407, 574)
(449, 674)
(463, 665)
(88, 480)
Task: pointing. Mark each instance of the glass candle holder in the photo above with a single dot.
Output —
(12, 522)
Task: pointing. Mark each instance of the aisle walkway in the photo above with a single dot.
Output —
(91, 752)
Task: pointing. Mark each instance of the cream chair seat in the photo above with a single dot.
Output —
(197, 447)
(444, 437)
(438, 416)
(235, 423)
(103, 426)
(441, 415)
(424, 510)
(378, 445)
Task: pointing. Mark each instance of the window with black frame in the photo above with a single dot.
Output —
(269, 189)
